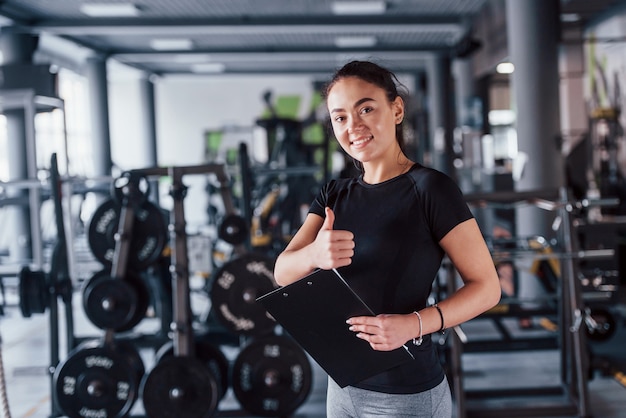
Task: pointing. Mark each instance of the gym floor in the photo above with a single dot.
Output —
(25, 352)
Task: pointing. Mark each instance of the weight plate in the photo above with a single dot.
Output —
(272, 377)
(132, 356)
(601, 325)
(148, 238)
(33, 292)
(117, 304)
(130, 185)
(95, 381)
(234, 290)
(233, 229)
(180, 387)
(209, 354)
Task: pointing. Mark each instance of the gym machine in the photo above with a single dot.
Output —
(275, 192)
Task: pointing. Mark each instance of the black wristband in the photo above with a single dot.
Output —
(443, 324)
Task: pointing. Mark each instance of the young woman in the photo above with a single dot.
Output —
(387, 232)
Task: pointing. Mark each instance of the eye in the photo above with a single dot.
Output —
(366, 110)
(339, 119)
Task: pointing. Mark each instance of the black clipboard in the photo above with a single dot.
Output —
(314, 310)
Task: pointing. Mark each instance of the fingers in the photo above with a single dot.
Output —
(329, 220)
(365, 327)
(333, 248)
(383, 332)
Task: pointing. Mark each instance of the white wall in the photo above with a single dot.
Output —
(126, 130)
(189, 105)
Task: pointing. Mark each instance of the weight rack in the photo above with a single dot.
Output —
(572, 392)
(116, 354)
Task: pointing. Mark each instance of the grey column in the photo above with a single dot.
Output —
(18, 49)
(420, 120)
(96, 73)
(440, 110)
(463, 137)
(533, 28)
(464, 91)
(146, 91)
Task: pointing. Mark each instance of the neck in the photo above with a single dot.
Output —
(379, 173)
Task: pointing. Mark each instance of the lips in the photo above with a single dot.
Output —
(361, 141)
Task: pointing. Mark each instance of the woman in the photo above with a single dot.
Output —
(387, 232)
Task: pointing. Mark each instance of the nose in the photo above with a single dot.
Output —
(354, 124)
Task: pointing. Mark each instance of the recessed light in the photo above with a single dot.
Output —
(171, 44)
(355, 41)
(505, 68)
(109, 9)
(208, 67)
(358, 7)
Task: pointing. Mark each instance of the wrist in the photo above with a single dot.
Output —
(442, 328)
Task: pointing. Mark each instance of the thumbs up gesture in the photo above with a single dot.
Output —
(332, 248)
(329, 221)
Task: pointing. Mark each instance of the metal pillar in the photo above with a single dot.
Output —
(464, 91)
(533, 28)
(441, 113)
(146, 91)
(98, 92)
(420, 121)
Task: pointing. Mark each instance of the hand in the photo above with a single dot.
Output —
(384, 332)
(332, 248)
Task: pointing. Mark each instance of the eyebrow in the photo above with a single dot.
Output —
(358, 103)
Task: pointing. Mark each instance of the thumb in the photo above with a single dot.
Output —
(330, 219)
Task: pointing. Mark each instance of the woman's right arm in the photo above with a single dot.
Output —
(315, 245)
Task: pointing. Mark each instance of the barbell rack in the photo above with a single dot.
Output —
(571, 341)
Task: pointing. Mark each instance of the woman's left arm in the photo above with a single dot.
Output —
(468, 252)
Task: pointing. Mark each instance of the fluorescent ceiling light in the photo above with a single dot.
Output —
(505, 68)
(355, 41)
(109, 9)
(358, 7)
(208, 67)
(171, 44)
(570, 17)
(192, 58)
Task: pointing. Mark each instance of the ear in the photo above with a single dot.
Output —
(398, 109)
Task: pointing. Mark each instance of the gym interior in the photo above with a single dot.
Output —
(156, 157)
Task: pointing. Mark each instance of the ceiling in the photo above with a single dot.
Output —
(257, 36)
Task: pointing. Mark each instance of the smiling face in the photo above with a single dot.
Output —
(363, 119)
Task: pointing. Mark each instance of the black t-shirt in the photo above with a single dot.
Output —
(397, 225)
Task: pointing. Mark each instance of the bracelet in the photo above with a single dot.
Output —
(419, 339)
(443, 324)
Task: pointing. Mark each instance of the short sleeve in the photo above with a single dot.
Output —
(444, 204)
(322, 200)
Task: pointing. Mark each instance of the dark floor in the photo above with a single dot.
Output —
(25, 352)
